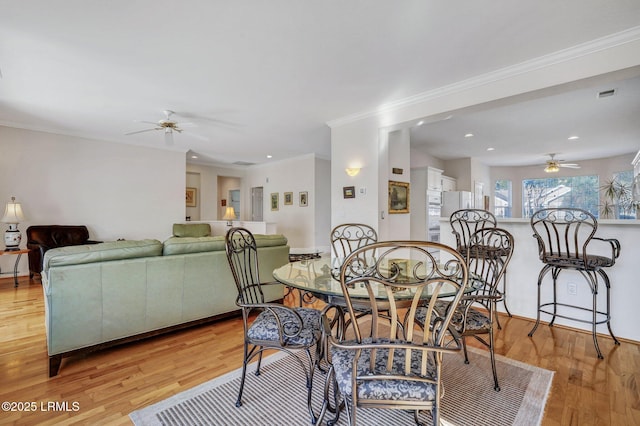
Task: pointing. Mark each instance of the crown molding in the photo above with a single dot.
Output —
(584, 49)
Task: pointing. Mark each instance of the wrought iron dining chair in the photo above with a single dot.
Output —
(467, 221)
(488, 253)
(463, 224)
(348, 237)
(274, 326)
(565, 236)
(380, 365)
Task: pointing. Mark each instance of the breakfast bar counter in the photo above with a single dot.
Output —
(522, 275)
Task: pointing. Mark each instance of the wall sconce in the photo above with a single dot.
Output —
(12, 216)
(352, 171)
(229, 215)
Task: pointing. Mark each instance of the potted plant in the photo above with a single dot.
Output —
(617, 199)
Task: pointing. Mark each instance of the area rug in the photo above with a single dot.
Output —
(277, 397)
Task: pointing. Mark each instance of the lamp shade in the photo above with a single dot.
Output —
(229, 214)
(13, 212)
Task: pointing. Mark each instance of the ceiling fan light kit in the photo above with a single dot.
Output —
(553, 165)
(552, 168)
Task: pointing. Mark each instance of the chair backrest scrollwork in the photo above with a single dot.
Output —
(467, 221)
(242, 254)
(348, 237)
(563, 234)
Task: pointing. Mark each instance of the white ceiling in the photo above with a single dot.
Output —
(259, 78)
(525, 129)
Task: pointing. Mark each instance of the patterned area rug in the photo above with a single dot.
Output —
(277, 397)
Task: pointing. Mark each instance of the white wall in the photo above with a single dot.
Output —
(301, 225)
(209, 201)
(355, 145)
(193, 181)
(399, 224)
(322, 204)
(306, 228)
(117, 191)
(419, 203)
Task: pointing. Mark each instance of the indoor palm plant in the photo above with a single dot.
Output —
(617, 199)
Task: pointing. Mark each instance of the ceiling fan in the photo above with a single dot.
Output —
(553, 165)
(168, 125)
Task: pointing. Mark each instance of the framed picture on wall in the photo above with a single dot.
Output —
(288, 198)
(274, 201)
(304, 199)
(398, 197)
(192, 197)
(349, 192)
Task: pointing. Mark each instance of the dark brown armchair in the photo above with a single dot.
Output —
(41, 238)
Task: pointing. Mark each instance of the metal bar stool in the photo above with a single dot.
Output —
(463, 224)
(563, 236)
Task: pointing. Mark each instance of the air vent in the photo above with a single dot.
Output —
(243, 163)
(606, 93)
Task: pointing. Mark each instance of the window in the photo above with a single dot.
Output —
(577, 191)
(624, 202)
(502, 201)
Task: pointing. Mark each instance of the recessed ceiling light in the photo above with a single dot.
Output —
(269, 156)
(194, 156)
(573, 138)
(490, 149)
(420, 123)
(468, 135)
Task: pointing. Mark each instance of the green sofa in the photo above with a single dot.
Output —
(106, 294)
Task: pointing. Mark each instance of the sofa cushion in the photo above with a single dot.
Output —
(191, 230)
(114, 250)
(272, 240)
(183, 245)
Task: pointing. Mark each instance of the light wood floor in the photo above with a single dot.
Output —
(106, 386)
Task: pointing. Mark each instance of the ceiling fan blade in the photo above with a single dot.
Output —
(142, 131)
(155, 123)
(569, 165)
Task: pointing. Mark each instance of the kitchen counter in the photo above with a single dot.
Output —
(522, 276)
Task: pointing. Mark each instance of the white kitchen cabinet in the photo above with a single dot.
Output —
(434, 179)
(448, 184)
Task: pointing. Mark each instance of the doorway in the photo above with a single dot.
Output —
(234, 201)
(256, 204)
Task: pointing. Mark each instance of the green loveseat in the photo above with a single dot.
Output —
(106, 294)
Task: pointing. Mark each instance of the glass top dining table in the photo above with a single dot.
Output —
(320, 277)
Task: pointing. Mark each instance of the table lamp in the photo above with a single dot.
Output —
(12, 215)
(229, 216)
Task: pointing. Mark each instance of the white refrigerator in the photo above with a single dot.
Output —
(455, 200)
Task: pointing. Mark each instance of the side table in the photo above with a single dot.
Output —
(19, 252)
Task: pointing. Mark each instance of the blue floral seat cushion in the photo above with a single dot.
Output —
(396, 389)
(265, 327)
(476, 320)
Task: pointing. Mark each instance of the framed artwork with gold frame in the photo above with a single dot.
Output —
(275, 198)
(398, 197)
(192, 197)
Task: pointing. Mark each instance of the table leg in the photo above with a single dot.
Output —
(15, 271)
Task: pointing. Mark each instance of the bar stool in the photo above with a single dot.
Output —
(563, 236)
(464, 223)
